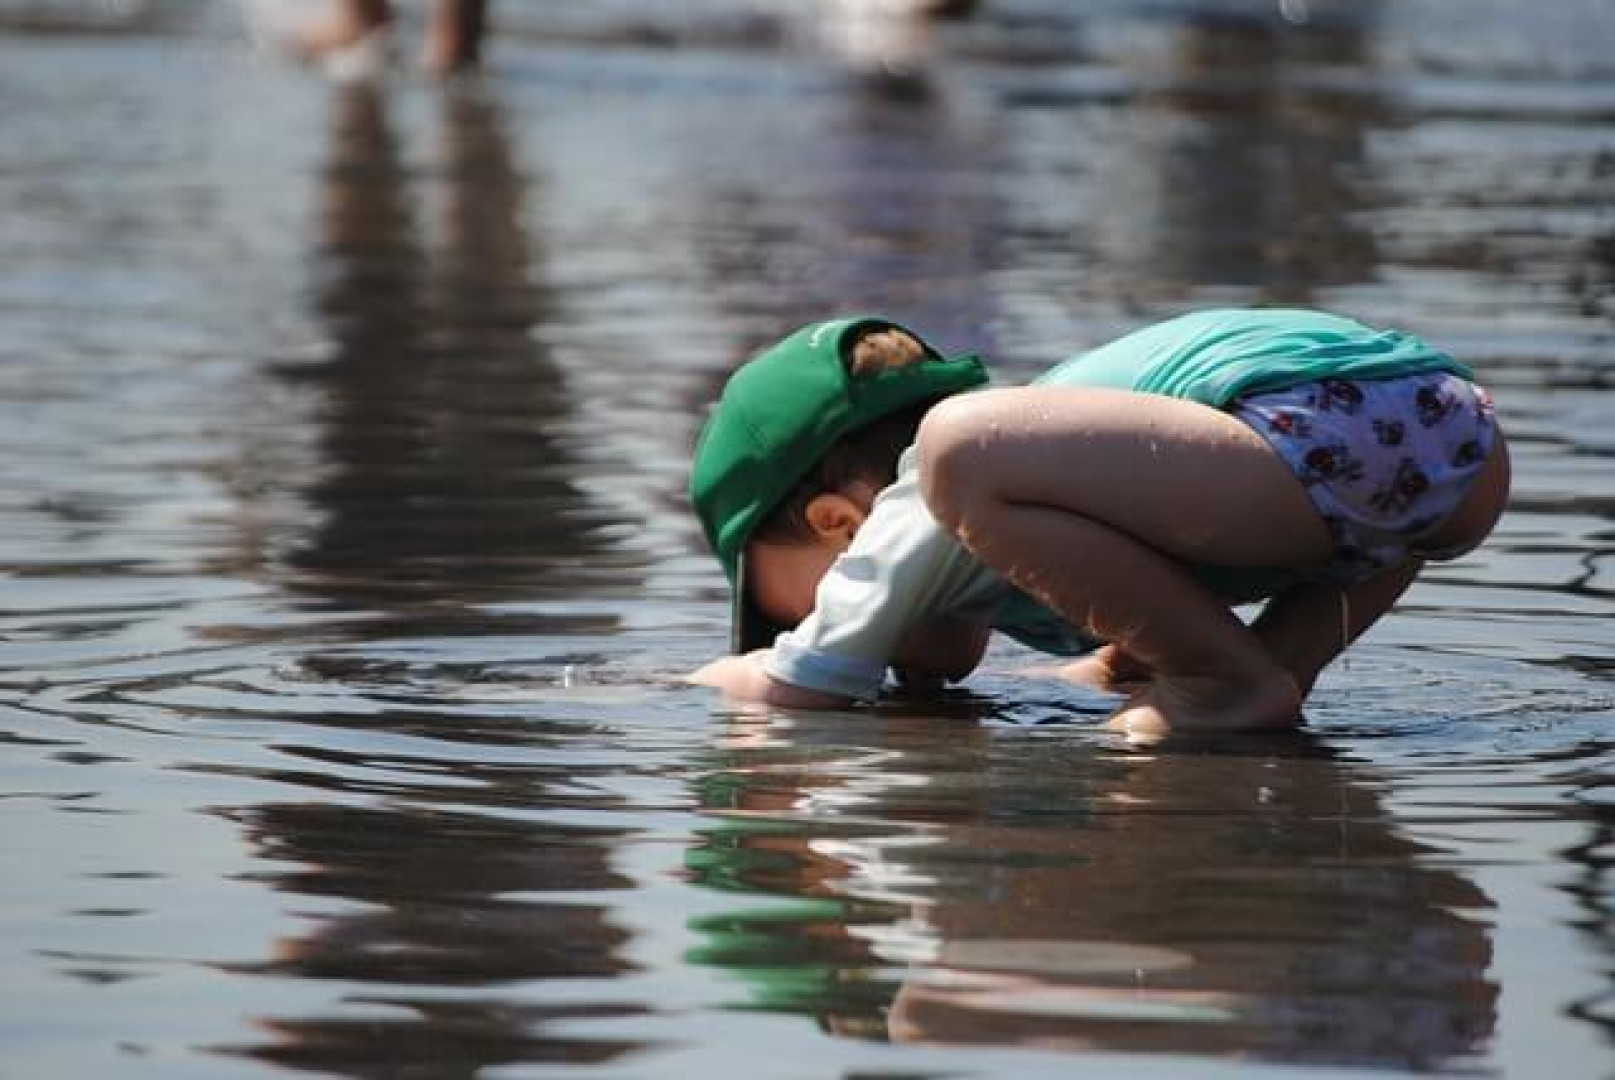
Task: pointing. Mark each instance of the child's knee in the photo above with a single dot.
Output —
(954, 445)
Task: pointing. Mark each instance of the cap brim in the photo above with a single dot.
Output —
(749, 628)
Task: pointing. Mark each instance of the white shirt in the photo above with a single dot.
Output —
(901, 569)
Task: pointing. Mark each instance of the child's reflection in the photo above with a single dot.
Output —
(1031, 891)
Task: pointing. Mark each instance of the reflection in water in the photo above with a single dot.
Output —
(445, 485)
(913, 236)
(896, 226)
(294, 791)
(1234, 171)
(1592, 890)
(1257, 175)
(434, 900)
(443, 888)
(885, 211)
(1000, 890)
(444, 489)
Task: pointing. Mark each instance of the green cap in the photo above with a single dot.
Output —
(779, 414)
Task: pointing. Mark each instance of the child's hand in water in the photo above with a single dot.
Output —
(743, 678)
(729, 673)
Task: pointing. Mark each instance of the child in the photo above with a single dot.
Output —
(872, 514)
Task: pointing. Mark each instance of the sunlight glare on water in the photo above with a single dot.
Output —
(346, 572)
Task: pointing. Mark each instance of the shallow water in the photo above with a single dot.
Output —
(345, 563)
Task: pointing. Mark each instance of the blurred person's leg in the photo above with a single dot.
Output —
(454, 39)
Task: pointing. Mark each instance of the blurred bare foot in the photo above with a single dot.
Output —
(352, 22)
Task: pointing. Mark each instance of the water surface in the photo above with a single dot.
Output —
(344, 563)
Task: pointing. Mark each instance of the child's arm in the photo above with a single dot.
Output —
(932, 653)
(874, 610)
(743, 678)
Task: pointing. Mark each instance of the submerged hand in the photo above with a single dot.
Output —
(734, 675)
(744, 678)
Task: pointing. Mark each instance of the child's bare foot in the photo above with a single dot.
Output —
(1107, 668)
(1264, 699)
(1110, 669)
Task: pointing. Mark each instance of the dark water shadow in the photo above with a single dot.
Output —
(1264, 181)
(432, 900)
(882, 212)
(446, 484)
(443, 487)
(972, 887)
(1219, 158)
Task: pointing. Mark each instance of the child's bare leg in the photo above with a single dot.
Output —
(1208, 669)
(1092, 500)
(1308, 626)
(1305, 628)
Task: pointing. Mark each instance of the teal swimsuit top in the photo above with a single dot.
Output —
(1214, 358)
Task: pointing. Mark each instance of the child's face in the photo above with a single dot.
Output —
(783, 577)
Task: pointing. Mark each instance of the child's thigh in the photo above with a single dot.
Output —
(1184, 478)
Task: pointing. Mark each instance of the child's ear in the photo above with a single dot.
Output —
(833, 517)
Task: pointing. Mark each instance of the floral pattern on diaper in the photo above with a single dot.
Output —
(1334, 463)
(1405, 488)
(1383, 461)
